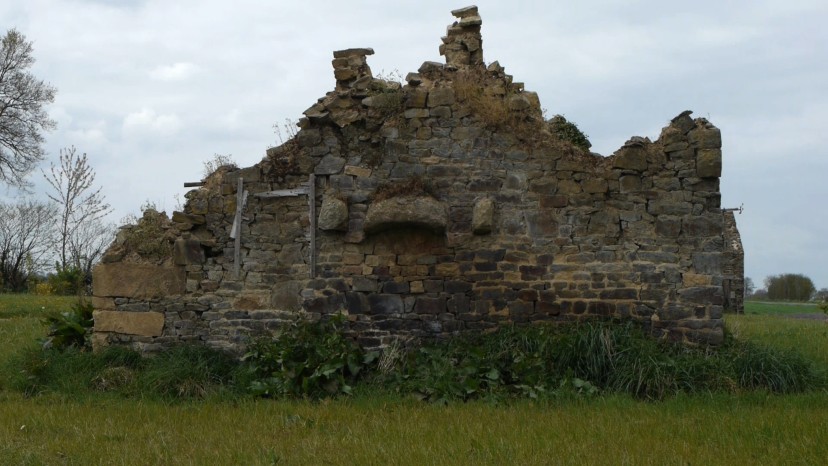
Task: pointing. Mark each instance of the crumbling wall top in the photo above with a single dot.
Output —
(463, 44)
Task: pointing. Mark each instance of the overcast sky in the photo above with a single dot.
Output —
(150, 89)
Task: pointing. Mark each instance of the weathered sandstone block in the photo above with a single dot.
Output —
(423, 212)
(120, 279)
(148, 324)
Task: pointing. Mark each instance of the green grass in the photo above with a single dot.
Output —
(808, 337)
(377, 428)
(779, 308)
(21, 320)
(26, 305)
(756, 429)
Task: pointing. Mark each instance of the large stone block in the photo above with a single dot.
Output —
(706, 138)
(705, 226)
(709, 163)
(148, 324)
(140, 281)
(425, 305)
(333, 215)
(187, 252)
(708, 263)
(631, 158)
(701, 295)
(103, 303)
(423, 212)
(385, 304)
(329, 165)
(286, 295)
(440, 96)
(483, 216)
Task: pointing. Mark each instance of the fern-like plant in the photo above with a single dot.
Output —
(70, 328)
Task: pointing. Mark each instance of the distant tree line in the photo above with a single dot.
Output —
(786, 287)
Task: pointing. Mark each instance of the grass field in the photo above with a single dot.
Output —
(754, 428)
(771, 308)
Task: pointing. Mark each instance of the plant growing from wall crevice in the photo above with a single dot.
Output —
(567, 131)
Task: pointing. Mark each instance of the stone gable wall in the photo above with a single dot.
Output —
(424, 209)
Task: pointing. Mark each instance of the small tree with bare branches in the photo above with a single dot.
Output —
(22, 114)
(24, 242)
(81, 233)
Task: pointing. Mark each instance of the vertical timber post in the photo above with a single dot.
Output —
(235, 233)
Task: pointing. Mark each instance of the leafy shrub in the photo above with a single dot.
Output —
(70, 328)
(444, 373)
(148, 237)
(68, 281)
(589, 357)
(317, 359)
(567, 131)
(43, 289)
(514, 361)
(387, 95)
(313, 359)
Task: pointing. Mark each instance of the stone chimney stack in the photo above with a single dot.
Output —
(351, 68)
(463, 44)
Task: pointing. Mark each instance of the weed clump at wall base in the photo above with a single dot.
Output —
(591, 357)
(72, 371)
(319, 360)
(307, 359)
(70, 328)
(763, 368)
(186, 372)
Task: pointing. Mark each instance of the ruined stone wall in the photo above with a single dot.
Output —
(733, 269)
(423, 209)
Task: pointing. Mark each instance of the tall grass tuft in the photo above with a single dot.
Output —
(318, 360)
(778, 371)
(185, 372)
(188, 371)
(610, 357)
(35, 370)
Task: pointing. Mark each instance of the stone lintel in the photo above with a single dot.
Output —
(470, 10)
(358, 52)
(423, 212)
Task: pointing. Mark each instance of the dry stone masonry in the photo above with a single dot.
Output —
(427, 208)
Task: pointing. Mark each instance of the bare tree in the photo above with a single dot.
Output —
(22, 116)
(81, 209)
(24, 242)
(89, 243)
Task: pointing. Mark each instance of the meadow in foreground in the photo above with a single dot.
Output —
(377, 427)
